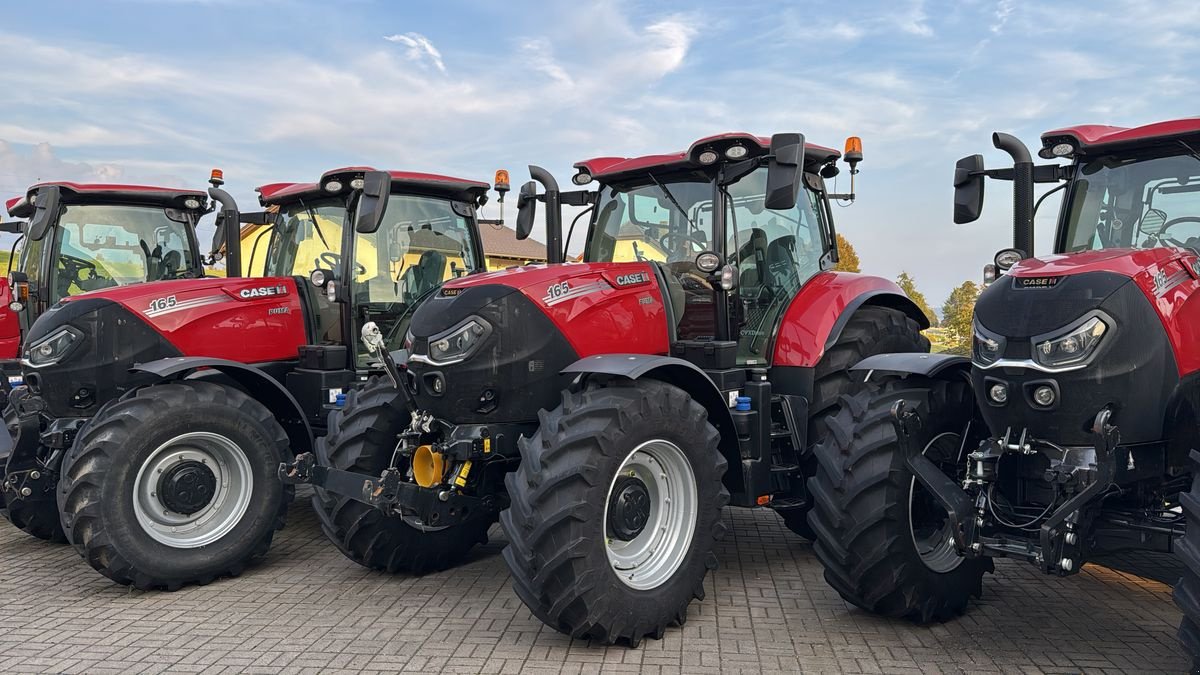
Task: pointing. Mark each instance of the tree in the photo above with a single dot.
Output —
(847, 258)
(957, 315)
(909, 286)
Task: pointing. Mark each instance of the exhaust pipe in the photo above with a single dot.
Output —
(554, 248)
(229, 231)
(1022, 189)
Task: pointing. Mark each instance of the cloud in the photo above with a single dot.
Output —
(419, 49)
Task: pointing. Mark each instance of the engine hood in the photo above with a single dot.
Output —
(1124, 261)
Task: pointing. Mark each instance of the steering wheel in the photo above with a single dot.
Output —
(1173, 222)
(334, 262)
(692, 238)
(72, 266)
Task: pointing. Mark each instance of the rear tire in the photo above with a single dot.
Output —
(37, 514)
(866, 497)
(362, 438)
(137, 532)
(1187, 591)
(575, 517)
(871, 330)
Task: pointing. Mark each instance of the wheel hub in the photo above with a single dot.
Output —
(629, 510)
(187, 487)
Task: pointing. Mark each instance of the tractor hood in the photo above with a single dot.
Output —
(492, 347)
(81, 350)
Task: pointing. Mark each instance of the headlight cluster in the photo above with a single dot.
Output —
(458, 343)
(54, 347)
(1072, 348)
(987, 348)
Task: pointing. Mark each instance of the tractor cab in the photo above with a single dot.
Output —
(421, 232)
(715, 219)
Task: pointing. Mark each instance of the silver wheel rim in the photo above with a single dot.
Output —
(935, 546)
(230, 499)
(651, 558)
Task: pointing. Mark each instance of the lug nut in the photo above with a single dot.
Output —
(35, 474)
(977, 548)
(25, 492)
(1070, 538)
(1067, 564)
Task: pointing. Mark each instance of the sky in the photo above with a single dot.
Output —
(162, 91)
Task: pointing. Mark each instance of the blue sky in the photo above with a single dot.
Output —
(159, 92)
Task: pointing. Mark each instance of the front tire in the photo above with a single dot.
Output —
(871, 330)
(362, 438)
(615, 511)
(1187, 591)
(175, 484)
(884, 543)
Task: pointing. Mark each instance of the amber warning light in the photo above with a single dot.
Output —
(217, 178)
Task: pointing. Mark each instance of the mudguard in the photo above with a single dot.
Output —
(943, 366)
(683, 374)
(258, 384)
(815, 318)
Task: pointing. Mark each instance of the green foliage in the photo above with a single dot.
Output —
(909, 286)
(957, 314)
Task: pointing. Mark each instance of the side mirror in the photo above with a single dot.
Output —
(46, 211)
(968, 189)
(784, 171)
(372, 201)
(526, 209)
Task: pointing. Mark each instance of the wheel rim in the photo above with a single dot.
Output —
(928, 522)
(650, 514)
(170, 498)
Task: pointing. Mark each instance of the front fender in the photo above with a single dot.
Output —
(683, 374)
(258, 384)
(941, 366)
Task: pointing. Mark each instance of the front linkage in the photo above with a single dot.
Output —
(1082, 473)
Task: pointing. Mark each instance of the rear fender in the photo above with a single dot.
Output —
(260, 386)
(818, 314)
(683, 374)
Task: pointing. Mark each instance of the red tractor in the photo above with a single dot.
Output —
(81, 237)
(606, 411)
(1072, 429)
(154, 416)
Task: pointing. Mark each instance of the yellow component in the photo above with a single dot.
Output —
(428, 466)
(487, 445)
(461, 480)
(853, 144)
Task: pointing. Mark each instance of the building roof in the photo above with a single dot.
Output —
(501, 240)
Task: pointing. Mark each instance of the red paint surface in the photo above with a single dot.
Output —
(10, 324)
(600, 167)
(274, 193)
(627, 319)
(810, 317)
(1178, 308)
(231, 327)
(1098, 134)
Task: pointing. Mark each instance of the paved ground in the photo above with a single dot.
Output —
(307, 609)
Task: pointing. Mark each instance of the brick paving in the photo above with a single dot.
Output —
(306, 609)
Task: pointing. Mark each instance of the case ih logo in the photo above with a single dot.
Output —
(632, 279)
(262, 291)
(1037, 282)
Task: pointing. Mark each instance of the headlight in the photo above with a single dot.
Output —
(1074, 347)
(54, 347)
(987, 348)
(459, 342)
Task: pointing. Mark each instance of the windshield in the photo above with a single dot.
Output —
(1135, 202)
(99, 246)
(421, 243)
(669, 222)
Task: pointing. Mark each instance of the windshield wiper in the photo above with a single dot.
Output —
(674, 201)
